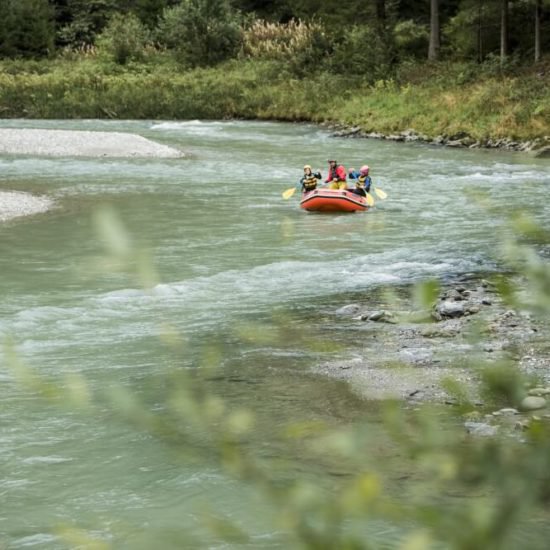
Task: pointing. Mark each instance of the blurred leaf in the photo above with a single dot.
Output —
(79, 538)
(419, 540)
(258, 333)
(457, 391)
(112, 232)
(503, 384)
(425, 294)
(27, 377)
(78, 390)
(147, 276)
(239, 422)
(525, 225)
(300, 430)
(227, 530)
(170, 336)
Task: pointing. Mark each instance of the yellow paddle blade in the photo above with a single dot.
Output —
(289, 192)
(380, 194)
(370, 200)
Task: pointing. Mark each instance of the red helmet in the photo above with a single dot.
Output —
(364, 170)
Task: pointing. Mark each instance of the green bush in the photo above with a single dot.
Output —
(124, 38)
(26, 28)
(467, 35)
(361, 52)
(201, 32)
(411, 39)
(444, 98)
(87, 19)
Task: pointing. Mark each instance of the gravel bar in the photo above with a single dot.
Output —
(62, 143)
(15, 204)
(68, 143)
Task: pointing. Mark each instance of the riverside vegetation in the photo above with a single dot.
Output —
(448, 102)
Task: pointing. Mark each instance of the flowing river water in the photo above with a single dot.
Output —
(232, 258)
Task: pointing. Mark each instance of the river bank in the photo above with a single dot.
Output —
(537, 147)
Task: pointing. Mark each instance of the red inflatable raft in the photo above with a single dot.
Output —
(333, 200)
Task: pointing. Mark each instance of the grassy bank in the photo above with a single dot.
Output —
(446, 99)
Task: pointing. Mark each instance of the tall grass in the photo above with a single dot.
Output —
(489, 107)
(263, 39)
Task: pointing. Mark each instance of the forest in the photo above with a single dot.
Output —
(349, 35)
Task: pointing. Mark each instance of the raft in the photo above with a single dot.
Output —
(333, 200)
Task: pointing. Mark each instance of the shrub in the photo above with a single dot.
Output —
(411, 39)
(362, 52)
(201, 32)
(124, 38)
(467, 35)
(26, 28)
(87, 20)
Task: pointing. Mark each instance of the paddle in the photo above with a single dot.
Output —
(379, 192)
(289, 192)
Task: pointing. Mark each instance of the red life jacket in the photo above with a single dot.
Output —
(337, 173)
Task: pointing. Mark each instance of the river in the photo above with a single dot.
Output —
(239, 273)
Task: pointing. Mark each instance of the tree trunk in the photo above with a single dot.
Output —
(537, 29)
(381, 12)
(433, 49)
(503, 30)
(479, 31)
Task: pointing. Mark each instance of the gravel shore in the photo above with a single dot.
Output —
(16, 204)
(413, 361)
(80, 143)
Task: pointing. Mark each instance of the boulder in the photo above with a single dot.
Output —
(450, 308)
(480, 429)
(350, 309)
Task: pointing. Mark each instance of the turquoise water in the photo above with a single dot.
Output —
(231, 258)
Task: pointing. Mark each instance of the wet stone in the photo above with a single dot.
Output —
(532, 403)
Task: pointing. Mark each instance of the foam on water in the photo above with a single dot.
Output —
(46, 460)
(37, 540)
(211, 301)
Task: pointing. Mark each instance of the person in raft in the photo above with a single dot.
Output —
(336, 175)
(309, 179)
(362, 180)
